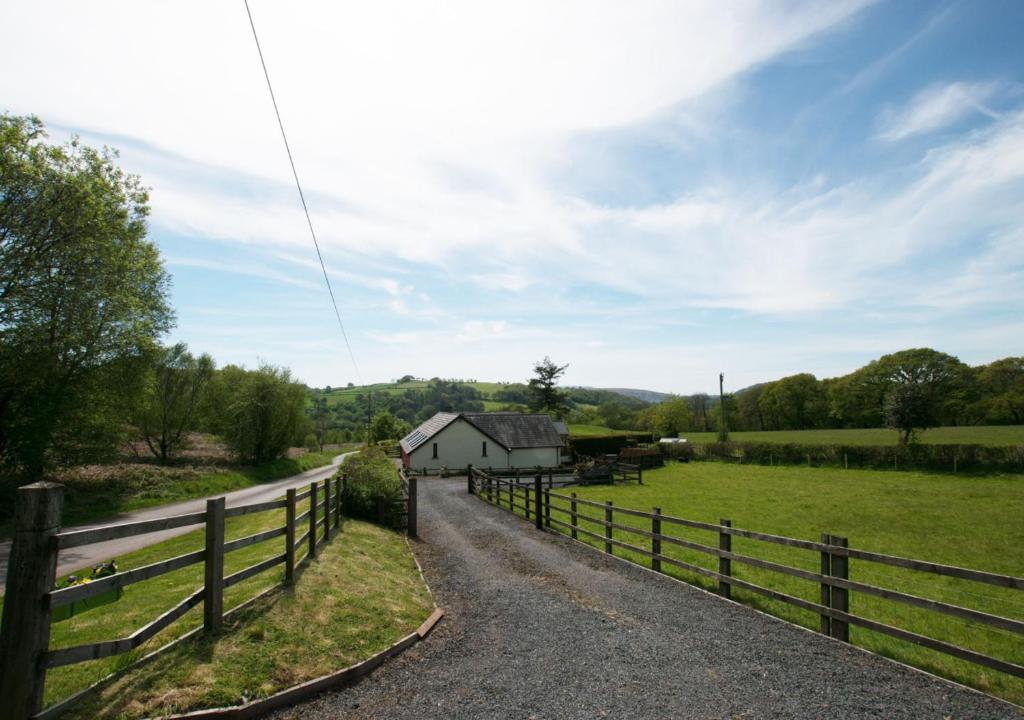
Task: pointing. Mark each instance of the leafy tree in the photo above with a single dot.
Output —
(797, 402)
(514, 393)
(908, 409)
(731, 413)
(672, 417)
(748, 415)
(699, 407)
(83, 297)
(545, 395)
(932, 376)
(321, 415)
(386, 426)
(1001, 386)
(169, 406)
(264, 412)
(312, 443)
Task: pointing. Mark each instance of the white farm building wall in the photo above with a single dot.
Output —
(532, 457)
(458, 445)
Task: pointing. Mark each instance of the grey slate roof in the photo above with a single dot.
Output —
(516, 430)
(560, 427)
(426, 431)
(509, 429)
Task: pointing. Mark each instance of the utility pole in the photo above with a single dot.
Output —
(723, 431)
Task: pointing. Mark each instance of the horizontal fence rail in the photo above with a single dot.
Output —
(567, 514)
(30, 595)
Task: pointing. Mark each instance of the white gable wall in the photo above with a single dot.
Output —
(460, 444)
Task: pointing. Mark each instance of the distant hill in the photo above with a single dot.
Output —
(648, 396)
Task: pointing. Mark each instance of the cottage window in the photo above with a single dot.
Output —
(435, 451)
(484, 453)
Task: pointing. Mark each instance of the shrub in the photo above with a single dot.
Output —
(370, 475)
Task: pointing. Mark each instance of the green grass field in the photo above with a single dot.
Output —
(963, 435)
(361, 595)
(971, 522)
(598, 431)
(994, 435)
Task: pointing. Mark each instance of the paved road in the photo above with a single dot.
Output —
(88, 555)
(540, 627)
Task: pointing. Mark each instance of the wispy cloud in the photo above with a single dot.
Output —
(937, 107)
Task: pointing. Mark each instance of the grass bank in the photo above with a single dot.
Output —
(89, 497)
(362, 594)
(973, 522)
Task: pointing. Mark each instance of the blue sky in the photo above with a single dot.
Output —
(652, 193)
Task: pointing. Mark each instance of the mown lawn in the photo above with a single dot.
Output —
(963, 435)
(973, 522)
(362, 594)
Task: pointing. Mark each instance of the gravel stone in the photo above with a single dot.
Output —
(540, 627)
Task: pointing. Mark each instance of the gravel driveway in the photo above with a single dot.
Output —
(540, 627)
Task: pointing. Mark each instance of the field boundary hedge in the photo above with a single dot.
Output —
(607, 444)
(949, 458)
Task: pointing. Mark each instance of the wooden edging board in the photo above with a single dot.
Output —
(312, 688)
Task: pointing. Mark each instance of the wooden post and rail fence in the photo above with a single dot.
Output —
(31, 597)
(833, 578)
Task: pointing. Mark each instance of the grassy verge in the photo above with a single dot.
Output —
(86, 501)
(973, 522)
(361, 595)
(995, 435)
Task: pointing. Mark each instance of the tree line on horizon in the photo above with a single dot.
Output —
(907, 390)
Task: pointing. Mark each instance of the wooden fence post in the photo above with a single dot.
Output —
(724, 563)
(639, 475)
(572, 516)
(312, 519)
(656, 539)
(411, 508)
(31, 573)
(469, 479)
(608, 527)
(538, 490)
(526, 494)
(826, 589)
(213, 590)
(490, 494)
(289, 536)
(840, 596)
(547, 508)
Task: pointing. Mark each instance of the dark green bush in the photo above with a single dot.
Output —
(370, 474)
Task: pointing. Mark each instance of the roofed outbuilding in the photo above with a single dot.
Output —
(499, 440)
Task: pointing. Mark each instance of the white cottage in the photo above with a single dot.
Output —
(498, 440)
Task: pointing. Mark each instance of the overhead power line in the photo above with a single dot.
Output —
(302, 196)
